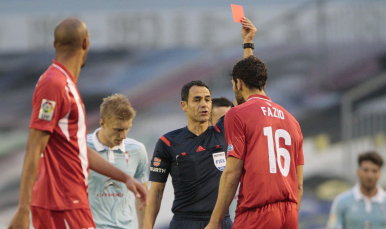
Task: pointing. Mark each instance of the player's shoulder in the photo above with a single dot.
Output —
(345, 197)
(287, 115)
(53, 76)
(132, 143)
(235, 110)
(90, 142)
(89, 137)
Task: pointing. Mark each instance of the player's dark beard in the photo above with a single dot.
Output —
(239, 98)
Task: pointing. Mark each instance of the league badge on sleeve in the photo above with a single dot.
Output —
(219, 160)
(157, 161)
(47, 110)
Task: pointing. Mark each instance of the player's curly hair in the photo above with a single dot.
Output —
(372, 156)
(252, 71)
(116, 106)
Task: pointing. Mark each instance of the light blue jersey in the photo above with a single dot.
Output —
(110, 200)
(353, 210)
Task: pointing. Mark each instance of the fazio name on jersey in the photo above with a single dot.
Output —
(157, 170)
(272, 112)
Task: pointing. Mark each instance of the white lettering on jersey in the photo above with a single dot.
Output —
(269, 112)
(47, 110)
(276, 113)
(157, 170)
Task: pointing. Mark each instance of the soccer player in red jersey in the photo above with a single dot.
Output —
(57, 151)
(265, 153)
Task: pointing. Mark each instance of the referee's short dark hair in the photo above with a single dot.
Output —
(185, 89)
(372, 156)
(221, 102)
(252, 71)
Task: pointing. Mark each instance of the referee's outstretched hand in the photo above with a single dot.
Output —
(138, 189)
(248, 30)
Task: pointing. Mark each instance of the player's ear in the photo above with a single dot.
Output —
(84, 43)
(184, 105)
(102, 123)
(239, 85)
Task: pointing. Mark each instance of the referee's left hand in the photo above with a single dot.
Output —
(138, 189)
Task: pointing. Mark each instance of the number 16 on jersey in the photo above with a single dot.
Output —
(281, 152)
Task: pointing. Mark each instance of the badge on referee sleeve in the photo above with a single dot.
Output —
(47, 109)
(219, 160)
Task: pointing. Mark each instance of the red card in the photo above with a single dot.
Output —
(238, 13)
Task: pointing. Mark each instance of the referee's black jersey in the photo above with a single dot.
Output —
(195, 164)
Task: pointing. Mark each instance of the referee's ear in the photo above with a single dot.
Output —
(184, 105)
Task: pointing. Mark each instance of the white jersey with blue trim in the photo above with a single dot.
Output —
(111, 202)
(353, 210)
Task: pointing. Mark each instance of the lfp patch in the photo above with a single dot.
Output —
(47, 110)
(230, 148)
(157, 161)
(219, 160)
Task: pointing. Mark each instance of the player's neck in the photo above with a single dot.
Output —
(369, 193)
(72, 62)
(197, 128)
(246, 94)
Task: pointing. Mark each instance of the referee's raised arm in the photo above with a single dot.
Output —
(248, 31)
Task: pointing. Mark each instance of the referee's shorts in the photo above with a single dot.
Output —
(196, 221)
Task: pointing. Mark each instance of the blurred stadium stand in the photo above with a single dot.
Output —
(320, 56)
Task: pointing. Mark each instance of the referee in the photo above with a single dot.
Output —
(195, 157)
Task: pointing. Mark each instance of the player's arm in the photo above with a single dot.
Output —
(248, 31)
(335, 220)
(100, 165)
(37, 141)
(140, 212)
(300, 184)
(155, 199)
(228, 185)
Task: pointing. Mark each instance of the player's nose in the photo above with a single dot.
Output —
(123, 134)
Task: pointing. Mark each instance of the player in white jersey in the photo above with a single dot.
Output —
(110, 200)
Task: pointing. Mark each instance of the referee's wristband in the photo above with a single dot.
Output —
(249, 45)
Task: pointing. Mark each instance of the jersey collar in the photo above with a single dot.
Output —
(378, 198)
(257, 96)
(63, 69)
(100, 147)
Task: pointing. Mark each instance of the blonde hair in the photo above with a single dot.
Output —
(116, 106)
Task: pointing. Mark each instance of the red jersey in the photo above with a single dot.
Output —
(63, 168)
(269, 140)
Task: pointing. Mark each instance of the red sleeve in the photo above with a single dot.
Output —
(234, 134)
(49, 104)
(300, 154)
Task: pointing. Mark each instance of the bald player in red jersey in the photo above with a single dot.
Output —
(265, 153)
(57, 152)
